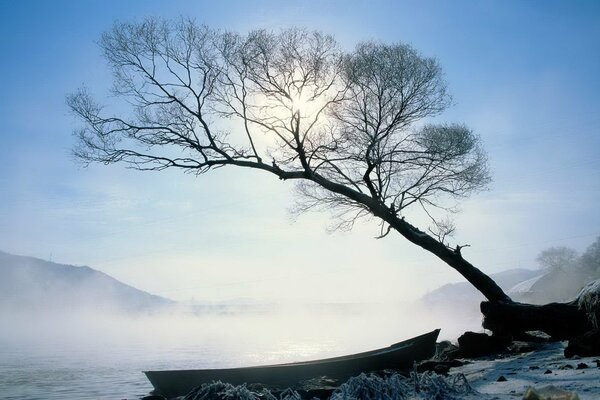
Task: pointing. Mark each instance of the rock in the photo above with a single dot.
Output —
(319, 387)
(566, 366)
(585, 345)
(445, 351)
(549, 393)
(473, 344)
(547, 372)
(154, 397)
(533, 337)
(518, 347)
(582, 366)
(439, 367)
(501, 378)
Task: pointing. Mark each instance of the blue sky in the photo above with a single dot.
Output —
(523, 74)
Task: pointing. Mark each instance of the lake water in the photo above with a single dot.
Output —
(109, 373)
(101, 357)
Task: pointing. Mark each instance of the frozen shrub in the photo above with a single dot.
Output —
(426, 386)
(588, 300)
(225, 391)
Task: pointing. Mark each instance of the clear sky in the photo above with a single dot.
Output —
(523, 74)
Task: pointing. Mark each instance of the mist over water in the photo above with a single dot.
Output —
(99, 355)
(74, 332)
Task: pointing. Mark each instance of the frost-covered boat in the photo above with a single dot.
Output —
(398, 356)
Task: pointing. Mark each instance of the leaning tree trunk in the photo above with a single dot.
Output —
(502, 315)
(453, 258)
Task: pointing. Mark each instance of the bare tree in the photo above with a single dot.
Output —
(557, 258)
(589, 262)
(346, 126)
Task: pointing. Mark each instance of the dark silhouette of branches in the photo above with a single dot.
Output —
(346, 126)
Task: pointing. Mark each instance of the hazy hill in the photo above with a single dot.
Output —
(465, 293)
(455, 306)
(32, 283)
(552, 286)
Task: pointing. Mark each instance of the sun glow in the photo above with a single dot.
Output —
(306, 105)
(286, 112)
(300, 103)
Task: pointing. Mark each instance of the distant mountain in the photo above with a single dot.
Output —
(32, 283)
(461, 300)
(550, 286)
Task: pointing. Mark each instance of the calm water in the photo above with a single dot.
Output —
(102, 358)
(110, 373)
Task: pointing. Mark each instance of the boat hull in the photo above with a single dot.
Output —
(399, 356)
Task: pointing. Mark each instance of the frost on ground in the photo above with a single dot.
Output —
(538, 369)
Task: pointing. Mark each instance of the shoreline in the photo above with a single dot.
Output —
(538, 368)
(498, 377)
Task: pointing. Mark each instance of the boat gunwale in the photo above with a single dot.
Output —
(356, 356)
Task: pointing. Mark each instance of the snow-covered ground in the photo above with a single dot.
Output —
(545, 371)
(525, 286)
(532, 370)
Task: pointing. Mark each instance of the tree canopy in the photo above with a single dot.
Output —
(350, 127)
(557, 258)
(590, 260)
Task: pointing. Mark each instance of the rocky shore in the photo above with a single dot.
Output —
(536, 369)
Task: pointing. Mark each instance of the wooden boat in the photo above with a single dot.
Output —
(399, 356)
